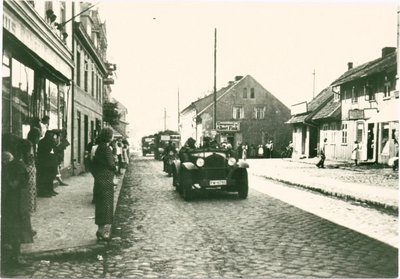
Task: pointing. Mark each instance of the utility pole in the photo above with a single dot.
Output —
(179, 116)
(398, 50)
(215, 79)
(165, 119)
(313, 93)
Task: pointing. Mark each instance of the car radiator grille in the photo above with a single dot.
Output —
(215, 167)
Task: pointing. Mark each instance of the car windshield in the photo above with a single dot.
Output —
(206, 152)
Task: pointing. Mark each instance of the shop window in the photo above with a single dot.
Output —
(22, 88)
(6, 109)
(344, 133)
(52, 104)
(360, 132)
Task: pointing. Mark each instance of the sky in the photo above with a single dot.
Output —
(165, 47)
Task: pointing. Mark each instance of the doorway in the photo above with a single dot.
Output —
(370, 141)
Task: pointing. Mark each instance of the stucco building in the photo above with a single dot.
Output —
(89, 49)
(361, 105)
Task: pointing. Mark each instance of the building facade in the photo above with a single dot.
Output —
(89, 48)
(246, 113)
(370, 106)
(314, 121)
(37, 67)
(361, 105)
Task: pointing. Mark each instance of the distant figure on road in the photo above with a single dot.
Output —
(354, 153)
(322, 160)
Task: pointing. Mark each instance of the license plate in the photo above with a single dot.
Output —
(217, 182)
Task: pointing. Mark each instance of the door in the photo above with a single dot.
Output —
(86, 131)
(313, 142)
(362, 143)
(370, 142)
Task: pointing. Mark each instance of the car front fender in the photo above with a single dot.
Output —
(242, 164)
(189, 166)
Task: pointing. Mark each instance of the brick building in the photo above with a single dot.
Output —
(246, 113)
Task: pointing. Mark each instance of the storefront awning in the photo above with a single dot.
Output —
(118, 132)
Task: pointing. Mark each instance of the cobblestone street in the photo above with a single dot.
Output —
(157, 234)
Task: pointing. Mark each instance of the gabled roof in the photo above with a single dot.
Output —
(313, 107)
(383, 64)
(203, 103)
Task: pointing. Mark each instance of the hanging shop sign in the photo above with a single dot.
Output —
(228, 126)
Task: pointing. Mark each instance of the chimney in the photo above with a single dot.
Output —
(349, 66)
(387, 50)
(238, 78)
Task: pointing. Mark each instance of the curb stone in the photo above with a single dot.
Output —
(391, 209)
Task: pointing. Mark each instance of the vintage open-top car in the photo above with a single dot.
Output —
(209, 169)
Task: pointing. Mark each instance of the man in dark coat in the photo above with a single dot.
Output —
(47, 165)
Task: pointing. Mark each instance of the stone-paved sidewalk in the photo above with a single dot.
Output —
(65, 223)
(372, 185)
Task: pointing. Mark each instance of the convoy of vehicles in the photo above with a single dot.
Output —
(148, 145)
(161, 141)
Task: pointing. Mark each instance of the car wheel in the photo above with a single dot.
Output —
(186, 185)
(243, 184)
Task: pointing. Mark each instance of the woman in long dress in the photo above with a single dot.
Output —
(103, 172)
(16, 220)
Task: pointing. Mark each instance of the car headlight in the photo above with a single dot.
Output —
(200, 162)
(231, 161)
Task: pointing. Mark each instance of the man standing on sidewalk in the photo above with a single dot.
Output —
(321, 162)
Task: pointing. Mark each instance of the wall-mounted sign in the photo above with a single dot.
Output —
(228, 126)
(165, 137)
(299, 108)
(356, 114)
